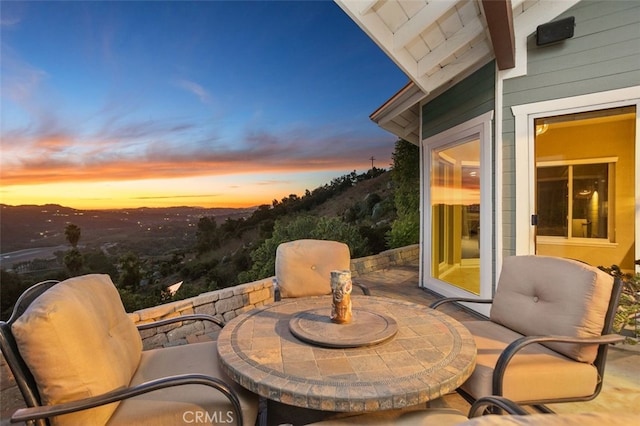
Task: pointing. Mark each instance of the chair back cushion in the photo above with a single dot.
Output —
(79, 342)
(541, 295)
(303, 267)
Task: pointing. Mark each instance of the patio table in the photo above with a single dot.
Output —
(427, 355)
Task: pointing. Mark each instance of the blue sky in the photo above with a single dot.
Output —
(129, 103)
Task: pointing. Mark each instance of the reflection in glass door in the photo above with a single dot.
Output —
(455, 201)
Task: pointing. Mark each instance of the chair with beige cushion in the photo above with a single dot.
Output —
(77, 358)
(303, 267)
(548, 332)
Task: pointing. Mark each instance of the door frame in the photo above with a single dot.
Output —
(525, 116)
(481, 126)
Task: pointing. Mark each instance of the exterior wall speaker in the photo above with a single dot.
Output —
(555, 31)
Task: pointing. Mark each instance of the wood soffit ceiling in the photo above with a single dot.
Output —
(438, 43)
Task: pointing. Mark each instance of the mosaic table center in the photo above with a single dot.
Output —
(290, 352)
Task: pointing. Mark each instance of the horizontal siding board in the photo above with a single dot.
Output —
(606, 18)
(604, 54)
(566, 89)
(462, 107)
(459, 118)
(611, 36)
(457, 102)
(509, 124)
(594, 37)
(479, 85)
(594, 70)
(468, 99)
(598, 12)
(602, 29)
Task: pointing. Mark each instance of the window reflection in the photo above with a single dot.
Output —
(455, 199)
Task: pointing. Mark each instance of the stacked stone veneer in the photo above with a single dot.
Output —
(395, 257)
(227, 303)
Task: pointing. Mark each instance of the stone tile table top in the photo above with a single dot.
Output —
(429, 355)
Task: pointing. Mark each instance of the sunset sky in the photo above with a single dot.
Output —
(110, 104)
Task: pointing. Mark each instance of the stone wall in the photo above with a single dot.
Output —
(394, 257)
(227, 303)
(224, 304)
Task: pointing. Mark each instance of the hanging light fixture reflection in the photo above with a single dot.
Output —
(541, 128)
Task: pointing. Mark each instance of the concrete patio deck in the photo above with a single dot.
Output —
(620, 393)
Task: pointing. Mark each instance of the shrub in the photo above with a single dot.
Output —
(629, 305)
(406, 179)
(404, 231)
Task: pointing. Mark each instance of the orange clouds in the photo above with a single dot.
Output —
(118, 171)
(58, 158)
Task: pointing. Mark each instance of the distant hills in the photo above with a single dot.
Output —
(28, 226)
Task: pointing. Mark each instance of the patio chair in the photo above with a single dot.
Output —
(303, 267)
(548, 332)
(77, 359)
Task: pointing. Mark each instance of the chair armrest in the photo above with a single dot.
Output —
(437, 303)
(277, 296)
(34, 413)
(363, 287)
(487, 402)
(190, 317)
(519, 344)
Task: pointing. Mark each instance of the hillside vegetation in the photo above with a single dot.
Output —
(358, 209)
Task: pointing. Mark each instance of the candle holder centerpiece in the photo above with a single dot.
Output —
(341, 286)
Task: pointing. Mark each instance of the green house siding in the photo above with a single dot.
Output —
(468, 99)
(603, 55)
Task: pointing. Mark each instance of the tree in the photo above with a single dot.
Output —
(130, 274)
(207, 235)
(73, 261)
(405, 230)
(96, 262)
(12, 288)
(72, 233)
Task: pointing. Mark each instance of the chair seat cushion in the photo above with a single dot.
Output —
(195, 404)
(303, 267)
(79, 342)
(536, 373)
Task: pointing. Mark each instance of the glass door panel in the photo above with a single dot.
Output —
(455, 202)
(585, 186)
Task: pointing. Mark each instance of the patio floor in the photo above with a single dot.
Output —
(620, 393)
